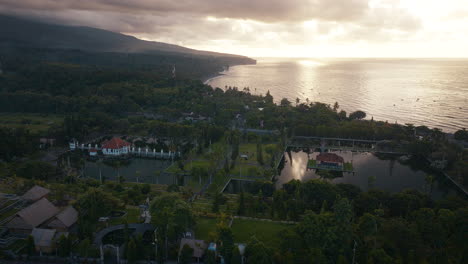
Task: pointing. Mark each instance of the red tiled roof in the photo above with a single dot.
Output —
(115, 143)
(330, 157)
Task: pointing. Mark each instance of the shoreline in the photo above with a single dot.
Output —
(205, 80)
(210, 77)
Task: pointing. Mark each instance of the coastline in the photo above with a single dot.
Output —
(205, 80)
(210, 77)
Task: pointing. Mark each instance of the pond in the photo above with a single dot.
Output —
(135, 170)
(370, 171)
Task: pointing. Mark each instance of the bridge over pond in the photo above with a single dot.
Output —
(347, 144)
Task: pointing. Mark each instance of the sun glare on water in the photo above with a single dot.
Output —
(310, 63)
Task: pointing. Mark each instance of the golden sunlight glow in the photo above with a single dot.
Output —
(309, 63)
(388, 28)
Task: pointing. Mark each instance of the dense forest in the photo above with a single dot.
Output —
(341, 224)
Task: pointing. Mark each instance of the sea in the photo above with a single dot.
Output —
(430, 92)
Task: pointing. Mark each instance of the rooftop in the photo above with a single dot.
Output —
(34, 215)
(35, 193)
(66, 218)
(330, 157)
(115, 143)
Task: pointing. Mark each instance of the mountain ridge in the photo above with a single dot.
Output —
(16, 31)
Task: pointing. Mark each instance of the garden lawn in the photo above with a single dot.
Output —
(36, 123)
(132, 216)
(204, 227)
(265, 231)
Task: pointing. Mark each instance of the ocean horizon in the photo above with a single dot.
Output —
(420, 91)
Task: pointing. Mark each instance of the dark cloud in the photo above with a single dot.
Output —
(260, 10)
(242, 24)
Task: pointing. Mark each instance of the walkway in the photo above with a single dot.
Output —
(139, 228)
(265, 220)
(338, 139)
(327, 143)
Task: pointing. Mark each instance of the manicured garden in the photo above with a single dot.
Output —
(265, 231)
(204, 227)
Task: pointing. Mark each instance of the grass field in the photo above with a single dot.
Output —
(265, 231)
(36, 123)
(204, 227)
(132, 216)
(243, 230)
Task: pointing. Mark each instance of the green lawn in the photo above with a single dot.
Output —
(250, 150)
(348, 166)
(33, 122)
(312, 163)
(263, 230)
(132, 216)
(197, 163)
(174, 168)
(247, 170)
(204, 227)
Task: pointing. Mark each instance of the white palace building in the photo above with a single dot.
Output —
(116, 147)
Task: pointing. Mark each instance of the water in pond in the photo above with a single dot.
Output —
(136, 170)
(370, 171)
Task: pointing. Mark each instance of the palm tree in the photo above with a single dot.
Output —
(117, 165)
(137, 173)
(81, 165)
(336, 106)
(99, 162)
(157, 173)
(371, 181)
(429, 181)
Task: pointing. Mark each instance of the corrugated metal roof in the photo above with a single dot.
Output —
(66, 218)
(35, 193)
(38, 212)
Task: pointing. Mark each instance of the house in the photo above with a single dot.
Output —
(44, 239)
(65, 220)
(32, 216)
(330, 160)
(35, 193)
(198, 246)
(115, 147)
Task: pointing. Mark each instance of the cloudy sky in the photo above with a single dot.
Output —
(288, 28)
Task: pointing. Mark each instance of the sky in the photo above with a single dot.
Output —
(274, 28)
